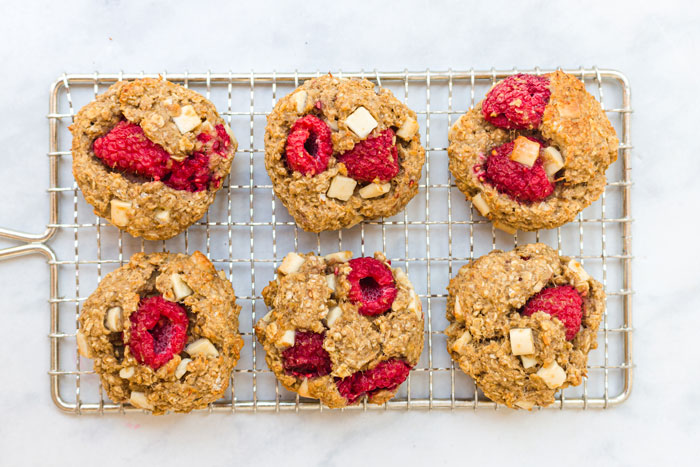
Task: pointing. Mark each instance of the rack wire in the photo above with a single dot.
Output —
(247, 232)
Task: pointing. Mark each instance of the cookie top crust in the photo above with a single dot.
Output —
(340, 329)
(367, 162)
(520, 356)
(149, 155)
(200, 346)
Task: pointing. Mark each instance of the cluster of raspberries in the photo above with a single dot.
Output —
(127, 149)
(520, 182)
(158, 331)
(309, 149)
(517, 102)
(562, 302)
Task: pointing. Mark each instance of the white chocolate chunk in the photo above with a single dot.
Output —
(139, 399)
(415, 304)
(287, 339)
(187, 120)
(375, 189)
(552, 374)
(576, 267)
(330, 280)
(304, 388)
(521, 342)
(291, 263)
(83, 347)
(113, 319)
(528, 361)
(202, 346)
(527, 405)
(361, 122)
(505, 227)
(267, 317)
(340, 256)
(180, 287)
(460, 344)
(120, 212)
(182, 367)
(481, 205)
(553, 160)
(162, 215)
(333, 315)
(459, 314)
(408, 129)
(127, 372)
(525, 151)
(341, 188)
(300, 101)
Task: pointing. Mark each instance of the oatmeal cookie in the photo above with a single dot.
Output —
(339, 328)
(522, 323)
(534, 152)
(150, 155)
(163, 332)
(338, 152)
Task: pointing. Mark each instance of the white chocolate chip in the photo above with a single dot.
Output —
(408, 129)
(127, 372)
(527, 405)
(304, 388)
(340, 256)
(330, 280)
(553, 375)
(341, 188)
(162, 215)
(481, 205)
(460, 344)
(553, 160)
(300, 101)
(138, 399)
(120, 212)
(525, 151)
(505, 227)
(180, 287)
(267, 317)
(333, 315)
(528, 361)
(415, 304)
(83, 347)
(521, 342)
(374, 190)
(287, 339)
(182, 367)
(229, 132)
(459, 314)
(113, 319)
(576, 267)
(187, 120)
(202, 346)
(291, 263)
(361, 122)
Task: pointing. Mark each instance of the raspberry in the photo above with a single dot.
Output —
(307, 358)
(158, 331)
(373, 158)
(517, 102)
(371, 285)
(523, 183)
(126, 148)
(191, 174)
(309, 146)
(386, 375)
(562, 302)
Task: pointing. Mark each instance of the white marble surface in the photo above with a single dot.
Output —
(655, 44)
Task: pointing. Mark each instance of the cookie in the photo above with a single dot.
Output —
(163, 332)
(150, 155)
(522, 323)
(340, 329)
(338, 153)
(534, 152)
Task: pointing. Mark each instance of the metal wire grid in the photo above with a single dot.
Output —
(439, 234)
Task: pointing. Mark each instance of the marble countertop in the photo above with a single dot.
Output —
(654, 44)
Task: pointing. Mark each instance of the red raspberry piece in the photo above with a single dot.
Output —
(191, 174)
(127, 148)
(523, 183)
(517, 102)
(373, 158)
(371, 285)
(563, 302)
(158, 331)
(307, 358)
(309, 146)
(386, 375)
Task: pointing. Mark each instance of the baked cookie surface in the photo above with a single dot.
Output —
(338, 152)
(163, 332)
(534, 153)
(339, 328)
(522, 323)
(149, 156)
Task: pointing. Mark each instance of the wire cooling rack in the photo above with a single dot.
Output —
(247, 232)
